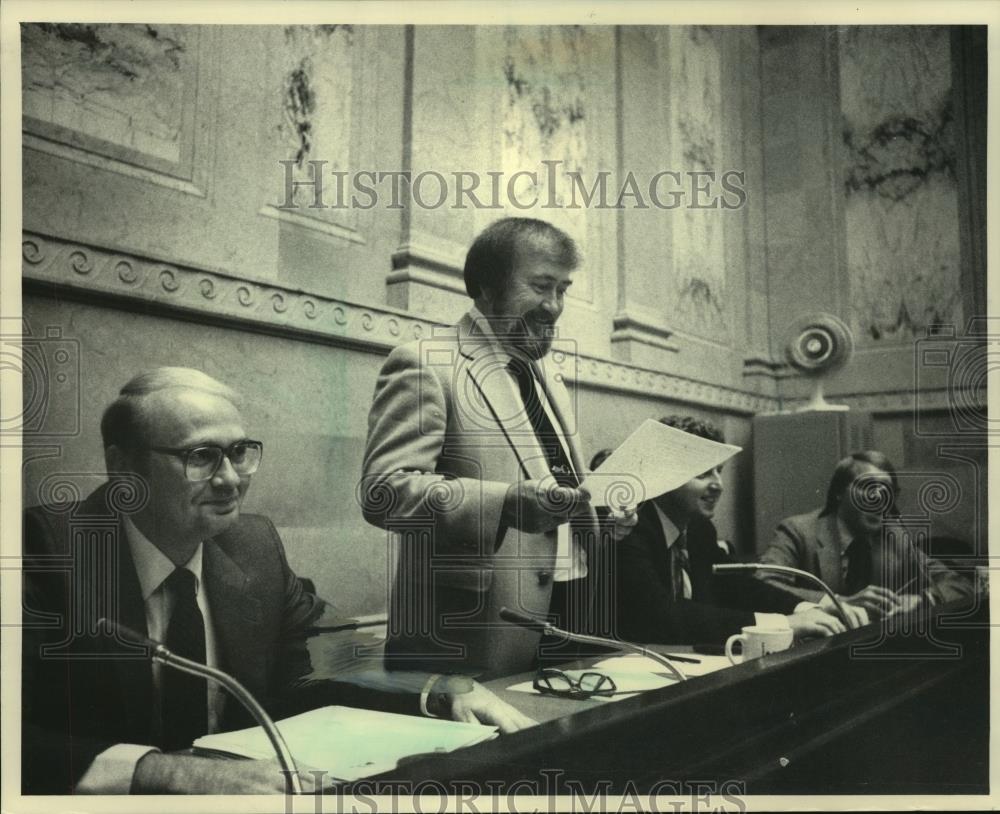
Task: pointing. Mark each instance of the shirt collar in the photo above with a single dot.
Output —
(670, 532)
(483, 326)
(152, 565)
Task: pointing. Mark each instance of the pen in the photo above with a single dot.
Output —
(684, 659)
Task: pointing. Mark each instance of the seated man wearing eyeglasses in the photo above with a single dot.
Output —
(164, 549)
(666, 591)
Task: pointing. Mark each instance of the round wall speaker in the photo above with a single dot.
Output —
(818, 345)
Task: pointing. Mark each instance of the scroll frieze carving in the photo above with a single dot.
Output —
(126, 277)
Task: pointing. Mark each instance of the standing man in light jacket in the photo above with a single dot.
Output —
(473, 463)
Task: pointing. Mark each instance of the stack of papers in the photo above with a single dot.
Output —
(350, 743)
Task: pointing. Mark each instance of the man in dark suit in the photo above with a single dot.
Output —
(857, 546)
(163, 548)
(666, 590)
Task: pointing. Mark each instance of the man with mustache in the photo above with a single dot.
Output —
(666, 591)
(165, 549)
(473, 465)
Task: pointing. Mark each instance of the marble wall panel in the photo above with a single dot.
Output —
(123, 91)
(699, 282)
(544, 84)
(899, 180)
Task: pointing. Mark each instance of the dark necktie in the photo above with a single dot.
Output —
(185, 697)
(680, 564)
(859, 565)
(545, 432)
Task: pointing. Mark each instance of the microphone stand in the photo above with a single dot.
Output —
(159, 653)
(548, 629)
(750, 567)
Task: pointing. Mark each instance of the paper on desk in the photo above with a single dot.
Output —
(633, 662)
(654, 459)
(351, 743)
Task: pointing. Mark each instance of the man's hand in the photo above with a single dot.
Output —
(624, 521)
(158, 773)
(856, 616)
(908, 602)
(541, 505)
(466, 700)
(878, 601)
(814, 622)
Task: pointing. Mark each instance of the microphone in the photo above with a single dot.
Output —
(158, 652)
(547, 628)
(750, 567)
(351, 624)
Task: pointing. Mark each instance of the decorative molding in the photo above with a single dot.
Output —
(292, 215)
(88, 272)
(197, 188)
(427, 277)
(423, 251)
(635, 326)
(910, 401)
(765, 367)
(620, 377)
(424, 261)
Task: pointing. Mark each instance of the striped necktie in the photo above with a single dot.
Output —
(680, 564)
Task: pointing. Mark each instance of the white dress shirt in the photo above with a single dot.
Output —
(671, 534)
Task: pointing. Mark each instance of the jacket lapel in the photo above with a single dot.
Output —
(236, 618)
(133, 671)
(115, 592)
(828, 551)
(649, 529)
(484, 362)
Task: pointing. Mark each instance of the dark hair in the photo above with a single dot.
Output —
(124, 423)
(600, 457)
(496, 250)
(848, 470)
(696, 426)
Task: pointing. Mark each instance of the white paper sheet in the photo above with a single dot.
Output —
(642, 664)
(654, 459)
(351, 743)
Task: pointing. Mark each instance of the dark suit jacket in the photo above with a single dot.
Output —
(83, 692)
(810, 542)
(719, 606)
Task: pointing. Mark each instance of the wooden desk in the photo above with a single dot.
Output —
(900, 709)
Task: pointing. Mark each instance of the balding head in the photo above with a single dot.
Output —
(125, 423)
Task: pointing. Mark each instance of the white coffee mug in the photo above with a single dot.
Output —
(756, 641)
